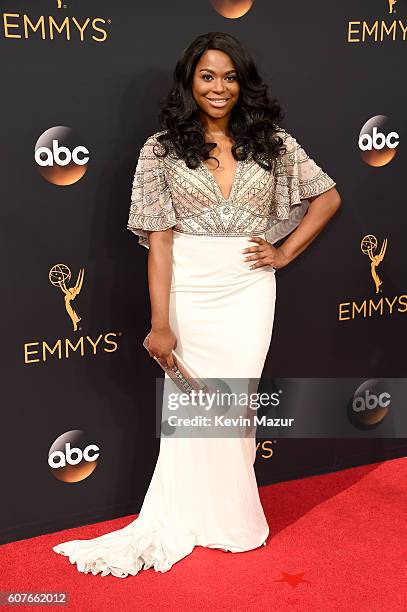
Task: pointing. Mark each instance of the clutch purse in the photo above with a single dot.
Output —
(182, 375)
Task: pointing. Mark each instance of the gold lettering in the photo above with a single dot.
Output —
(94, 344)
(371, 31)
(27, 352)
(375, 27)
(71, 346)
(110, 342)
(341, 309)
(404, 29)
(99, 30)
(69, 343)
(56, 27)
(40, 22)
(53, 24)
(355, 307)
(8, 25)
(402, 301)
(81, 30)
(391, 304)
(392, 27)
(57, 346)
(375, 308)
(265, 446)
(351, 31)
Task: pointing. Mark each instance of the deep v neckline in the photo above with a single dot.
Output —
(215, 183)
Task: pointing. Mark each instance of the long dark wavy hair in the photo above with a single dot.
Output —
(253, 121)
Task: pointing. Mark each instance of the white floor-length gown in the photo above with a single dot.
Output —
(203, 491)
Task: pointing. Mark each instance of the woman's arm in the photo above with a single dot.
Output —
(320, 211)
(298, 178)
(161, 338)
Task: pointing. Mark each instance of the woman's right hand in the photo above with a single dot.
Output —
(160, 343)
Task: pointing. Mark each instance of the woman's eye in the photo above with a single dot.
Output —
(233, 77)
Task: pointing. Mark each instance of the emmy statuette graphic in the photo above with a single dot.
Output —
(59, 275)
(368, 246)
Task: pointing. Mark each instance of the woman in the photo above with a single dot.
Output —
(213, 190)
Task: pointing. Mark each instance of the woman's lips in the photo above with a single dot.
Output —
(218, 102)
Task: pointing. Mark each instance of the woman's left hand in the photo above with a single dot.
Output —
(265, 254)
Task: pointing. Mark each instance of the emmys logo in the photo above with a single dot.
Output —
(377, 142)
(19, 26)
(369, 307)
(41, 351)
(59, 275)
(368, 246)
(370, 404)
(60, 160)
(72, 457)
(378, 30)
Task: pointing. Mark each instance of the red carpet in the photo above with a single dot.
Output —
(338, 542)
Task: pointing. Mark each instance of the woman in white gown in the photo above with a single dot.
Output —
(204, 225)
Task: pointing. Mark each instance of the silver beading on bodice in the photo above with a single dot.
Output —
(166, 193)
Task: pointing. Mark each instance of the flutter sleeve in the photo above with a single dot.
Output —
(151, 207)
(297, 178)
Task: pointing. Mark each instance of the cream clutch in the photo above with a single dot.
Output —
(182, 375)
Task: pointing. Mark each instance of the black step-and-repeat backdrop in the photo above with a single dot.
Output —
(81, 86)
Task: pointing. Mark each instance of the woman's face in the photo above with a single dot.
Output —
(215, 86)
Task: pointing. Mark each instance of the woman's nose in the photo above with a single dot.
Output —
(218, 86)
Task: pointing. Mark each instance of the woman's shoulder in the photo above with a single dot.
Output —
(152, 145)
(153, 138)
(291, 147)
(288, 140)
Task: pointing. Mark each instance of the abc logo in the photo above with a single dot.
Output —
(377, 142)
(370, 404)
(59, 157)
(72, 458)
(370, 401)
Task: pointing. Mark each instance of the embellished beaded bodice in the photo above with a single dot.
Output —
(166, 193)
